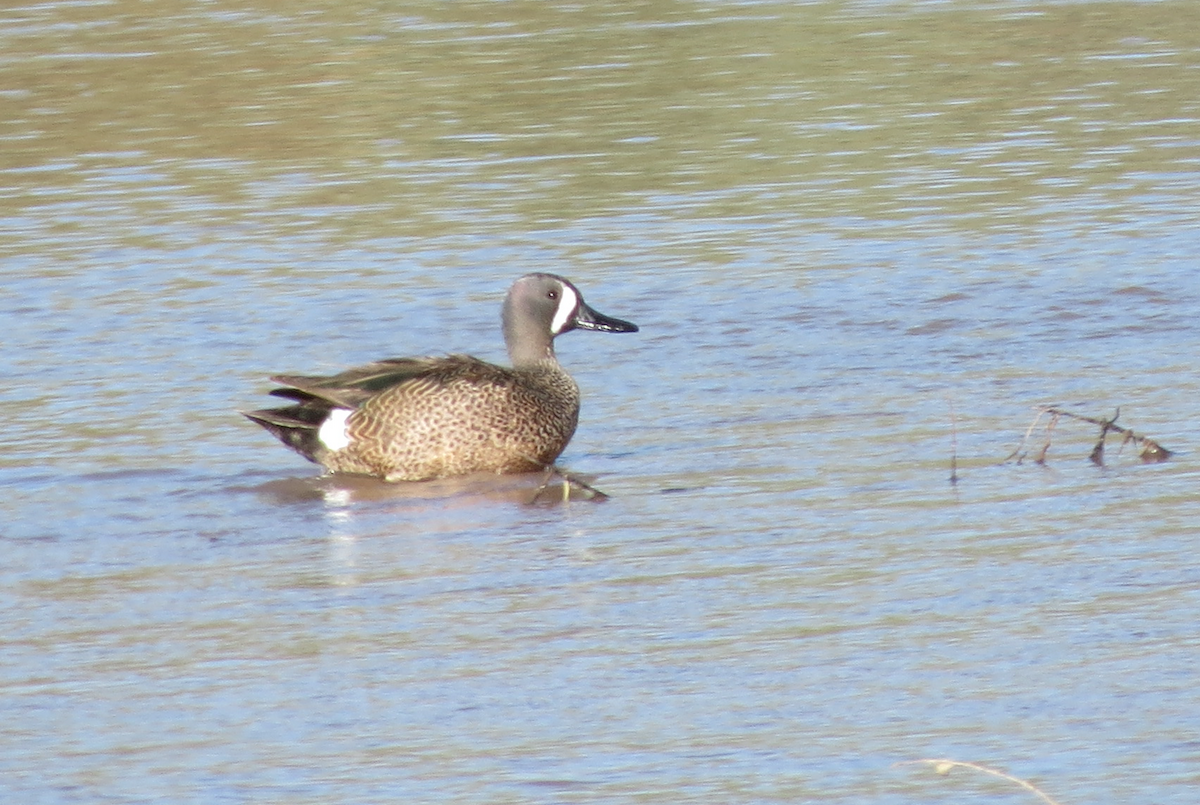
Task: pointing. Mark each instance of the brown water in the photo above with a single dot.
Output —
(835, 223)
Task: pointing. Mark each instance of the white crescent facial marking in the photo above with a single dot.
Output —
(566, 307)
(333, 433)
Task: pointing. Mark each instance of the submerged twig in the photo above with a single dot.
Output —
(568, 480)
(944, 765)
(1097, 455)
(953, 443)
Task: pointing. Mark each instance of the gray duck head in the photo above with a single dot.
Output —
(541, 306)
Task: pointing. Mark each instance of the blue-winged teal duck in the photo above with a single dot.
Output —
(412, 419)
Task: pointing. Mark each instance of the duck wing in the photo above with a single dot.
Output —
(353, 387)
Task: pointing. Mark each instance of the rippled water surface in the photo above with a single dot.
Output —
(863, 240)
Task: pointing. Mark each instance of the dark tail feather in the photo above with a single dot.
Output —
(296, 426)
(300, 396)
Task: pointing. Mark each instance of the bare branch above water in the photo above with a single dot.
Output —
(1149, 451)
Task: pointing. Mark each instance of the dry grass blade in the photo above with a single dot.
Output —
(1019, 453)
(944, 765)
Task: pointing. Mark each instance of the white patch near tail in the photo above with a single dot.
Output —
(333, 433)
(566, 307)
